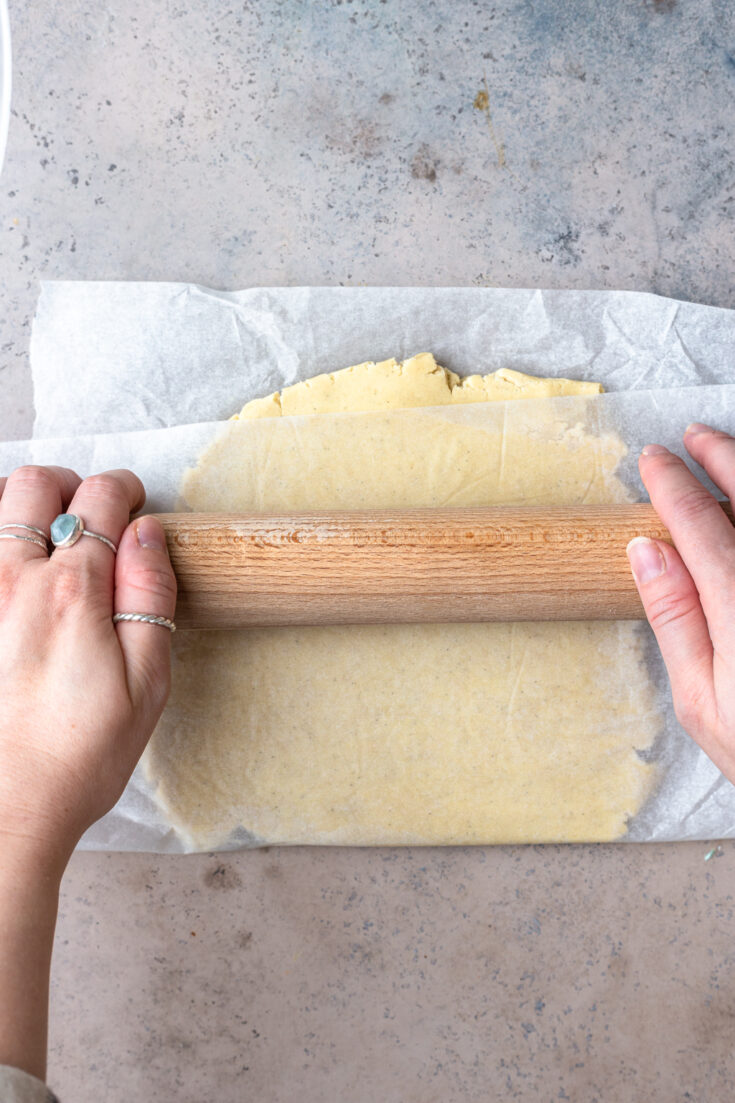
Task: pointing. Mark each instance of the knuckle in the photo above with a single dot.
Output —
(689, 709)
(67, 588)
(8, 582)
(104, 488)
(153, 579)
(669, 608)
(686, 713)
(32, 478)
(692, 505)
(71, 584)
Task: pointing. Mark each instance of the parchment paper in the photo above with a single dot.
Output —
(108, 357)
(692, 799)
(111, 357)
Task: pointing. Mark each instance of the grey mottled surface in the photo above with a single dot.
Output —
(296, 142)
(291, 142)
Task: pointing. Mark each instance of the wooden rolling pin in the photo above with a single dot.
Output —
(402, 566)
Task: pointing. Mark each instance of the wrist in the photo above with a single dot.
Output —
(29, 888)
(32, 861)
(30, 878)
(35, 836)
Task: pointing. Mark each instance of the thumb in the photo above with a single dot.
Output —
(674, 611)
(145, 583)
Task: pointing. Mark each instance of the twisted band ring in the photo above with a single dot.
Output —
(145, 618)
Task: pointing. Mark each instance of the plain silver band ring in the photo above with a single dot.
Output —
(97, 536)
(145, 618)
(27, 539)
(22, 525)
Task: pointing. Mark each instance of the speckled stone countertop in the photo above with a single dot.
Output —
(510, 143)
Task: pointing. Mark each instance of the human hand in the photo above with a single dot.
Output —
(688, 592)
(79, 696)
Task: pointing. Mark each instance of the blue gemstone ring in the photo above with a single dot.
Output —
(67, 528)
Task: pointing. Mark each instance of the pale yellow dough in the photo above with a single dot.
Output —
(470, 733)
(415, 382)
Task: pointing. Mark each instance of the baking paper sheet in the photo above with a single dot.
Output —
(119, 357)
(692, 800)
(108, 357)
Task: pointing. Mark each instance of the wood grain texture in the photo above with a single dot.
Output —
(379, 567)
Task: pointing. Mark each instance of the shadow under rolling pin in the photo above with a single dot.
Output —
(406, 566)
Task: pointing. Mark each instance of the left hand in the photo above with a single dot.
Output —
(79, 696)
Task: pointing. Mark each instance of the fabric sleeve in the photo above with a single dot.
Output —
(17, 1086)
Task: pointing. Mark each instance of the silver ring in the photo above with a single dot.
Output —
(69, 528)
(27, 539)
(145, 618)
(22, 525)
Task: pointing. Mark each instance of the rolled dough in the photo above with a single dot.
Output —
(468, 733)
(418, 381)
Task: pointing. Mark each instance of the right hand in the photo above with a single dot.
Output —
(688, 592)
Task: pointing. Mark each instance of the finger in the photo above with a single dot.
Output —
(701, 531)
(104, 502)
(715, 452)
(145, 583)
(675, 614)
(34, 495)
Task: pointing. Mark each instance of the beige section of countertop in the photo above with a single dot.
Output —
(273, 143)
(391, 976)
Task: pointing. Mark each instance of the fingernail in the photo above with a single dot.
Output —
(654, 450)
(698, 427)
(150, 533)
(646, 560)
